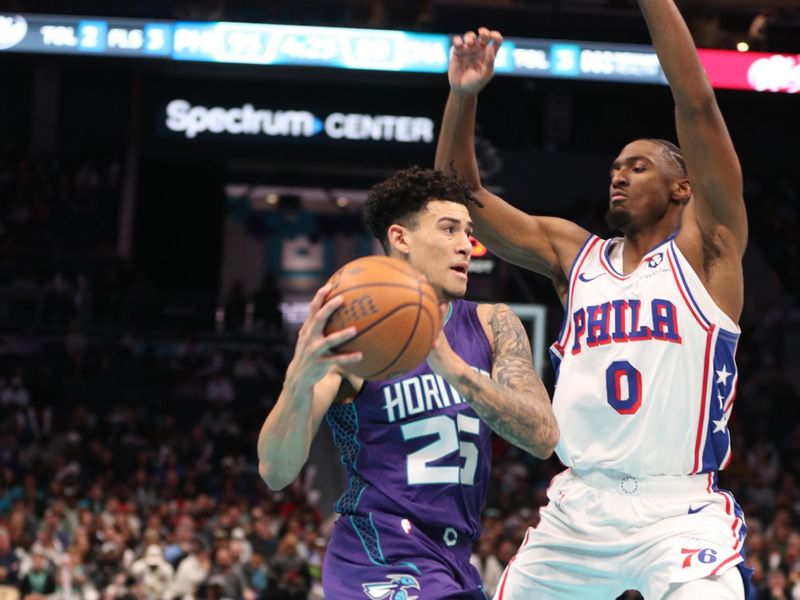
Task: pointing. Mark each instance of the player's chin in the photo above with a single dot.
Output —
(456, 290)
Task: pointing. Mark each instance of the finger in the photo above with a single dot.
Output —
(469, 38)
(458, 42)
(319, 299)
(491, 54)
(323, 314)
(341, 359)
(316, 303)
(497, 38)
(339, 337)
(484, 36)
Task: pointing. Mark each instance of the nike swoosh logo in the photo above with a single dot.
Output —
(585, 279)
(699, 508)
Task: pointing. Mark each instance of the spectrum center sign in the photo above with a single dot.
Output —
(247, 120)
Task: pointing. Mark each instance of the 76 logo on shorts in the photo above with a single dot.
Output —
(703, 555)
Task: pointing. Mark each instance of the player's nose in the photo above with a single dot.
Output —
(464, 245)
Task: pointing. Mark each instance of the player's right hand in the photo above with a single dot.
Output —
(314, 352)
(472, 60)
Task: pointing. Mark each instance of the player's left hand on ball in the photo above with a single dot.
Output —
(315, 352)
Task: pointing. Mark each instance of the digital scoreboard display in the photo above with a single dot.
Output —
(374, 49)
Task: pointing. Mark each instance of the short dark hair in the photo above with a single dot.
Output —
(672, 154)
(405, 194)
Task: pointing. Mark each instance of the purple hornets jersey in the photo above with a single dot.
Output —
(414, 449)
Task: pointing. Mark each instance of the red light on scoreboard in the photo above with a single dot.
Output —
(478, 249)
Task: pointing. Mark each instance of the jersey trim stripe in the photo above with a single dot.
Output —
(694, 306)
(367, 532)
(703, 322)
(605, 260)
(574, 272)
(701, 422)
(725, 562)
(731, 503)
(728, 411)
(511, 562)
(723, 375)
(565, 320)
(732, 508)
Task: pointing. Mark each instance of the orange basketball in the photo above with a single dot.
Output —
(395, 312)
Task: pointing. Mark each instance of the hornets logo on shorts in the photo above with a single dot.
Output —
(394, 589)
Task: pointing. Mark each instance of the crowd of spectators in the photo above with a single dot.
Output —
(127, 470)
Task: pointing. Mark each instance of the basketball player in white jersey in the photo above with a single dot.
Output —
(645, 366)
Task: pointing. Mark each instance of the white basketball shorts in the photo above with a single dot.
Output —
(602, 534)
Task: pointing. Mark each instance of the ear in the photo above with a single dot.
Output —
(681, 191)
(398, 239)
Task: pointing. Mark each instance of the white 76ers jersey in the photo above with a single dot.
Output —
(645, 371)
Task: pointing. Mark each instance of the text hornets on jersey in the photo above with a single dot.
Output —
(419, 394)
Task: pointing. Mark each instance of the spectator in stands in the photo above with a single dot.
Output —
(37, 582)
(227, 575)
(191, 572)
(288, 571)
(153, 572)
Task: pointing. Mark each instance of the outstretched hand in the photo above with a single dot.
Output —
(314, 353)
(472, 60)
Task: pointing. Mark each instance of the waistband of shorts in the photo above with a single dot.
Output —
(628, 485)
(449, 537)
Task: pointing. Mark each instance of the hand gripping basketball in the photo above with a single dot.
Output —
(396, 315)
(314, 354)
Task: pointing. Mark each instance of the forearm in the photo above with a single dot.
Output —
(456, 144)
(285, 437)
(521, 416)
(677, 54)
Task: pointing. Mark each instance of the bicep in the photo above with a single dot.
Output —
(546, 245)
(714, 171)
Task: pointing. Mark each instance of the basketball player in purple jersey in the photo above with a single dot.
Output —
(645, 365)
(417, 448)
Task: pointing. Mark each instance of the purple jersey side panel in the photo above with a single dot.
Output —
(414, 449)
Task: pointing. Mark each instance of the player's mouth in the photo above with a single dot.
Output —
(460, 269)
(617, 197)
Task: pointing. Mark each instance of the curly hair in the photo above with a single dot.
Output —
(405, 194)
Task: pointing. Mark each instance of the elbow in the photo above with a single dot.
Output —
(700, 104)
(273, 479)
(547, 444)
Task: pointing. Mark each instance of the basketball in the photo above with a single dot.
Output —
(395, 312)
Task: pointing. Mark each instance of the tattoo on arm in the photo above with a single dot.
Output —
(514, 402)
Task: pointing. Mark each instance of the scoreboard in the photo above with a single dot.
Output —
(374, 49)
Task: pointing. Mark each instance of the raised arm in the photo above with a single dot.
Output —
(711, 160)
(546, 245)
(513, 402)
(312, 384)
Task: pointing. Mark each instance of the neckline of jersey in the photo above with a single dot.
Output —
(449, 314)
